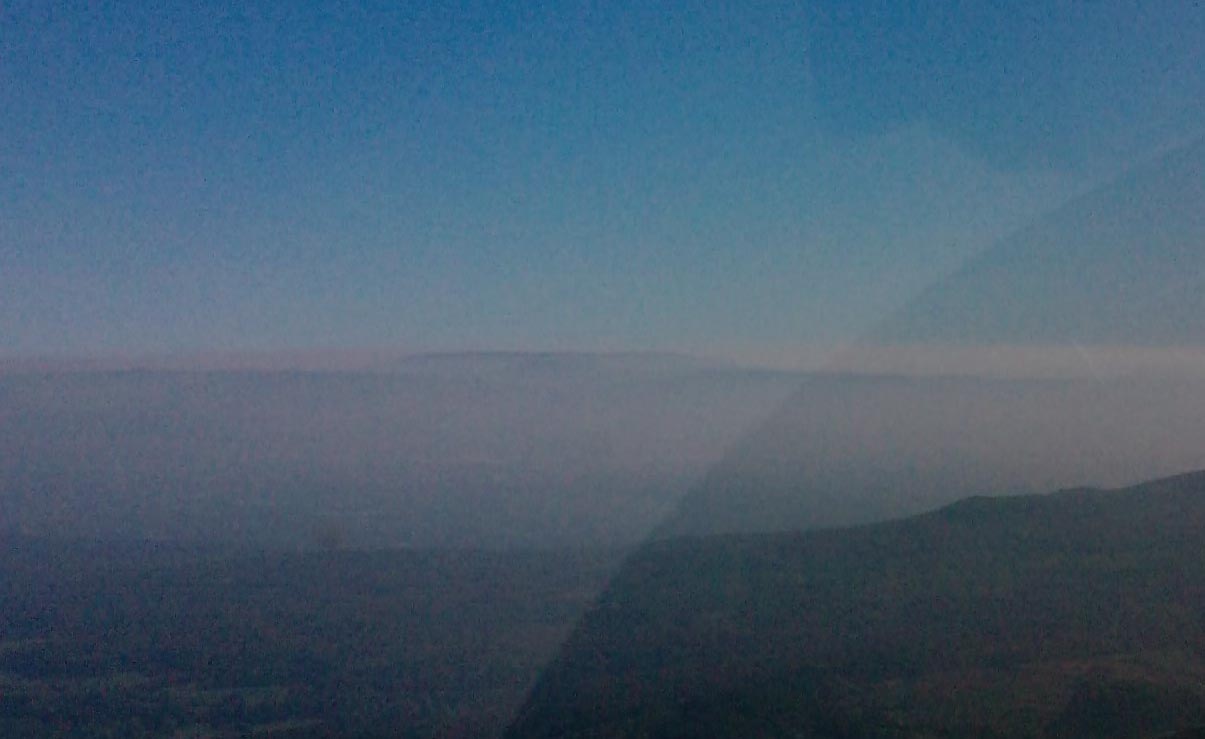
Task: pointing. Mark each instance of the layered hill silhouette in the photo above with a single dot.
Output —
(1074, 614)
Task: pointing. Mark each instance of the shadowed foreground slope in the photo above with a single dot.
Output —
(1080, 613)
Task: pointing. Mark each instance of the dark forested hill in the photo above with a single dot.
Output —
(1079, 613)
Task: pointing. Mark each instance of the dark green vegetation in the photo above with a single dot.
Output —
(1076, 614)
(141, 640)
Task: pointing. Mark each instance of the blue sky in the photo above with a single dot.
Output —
(694, 176)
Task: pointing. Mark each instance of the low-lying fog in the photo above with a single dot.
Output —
(555, 450)
(458, 450)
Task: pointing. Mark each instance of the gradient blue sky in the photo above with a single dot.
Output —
(613, 175)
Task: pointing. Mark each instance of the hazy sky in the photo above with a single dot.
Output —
(708, 177)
